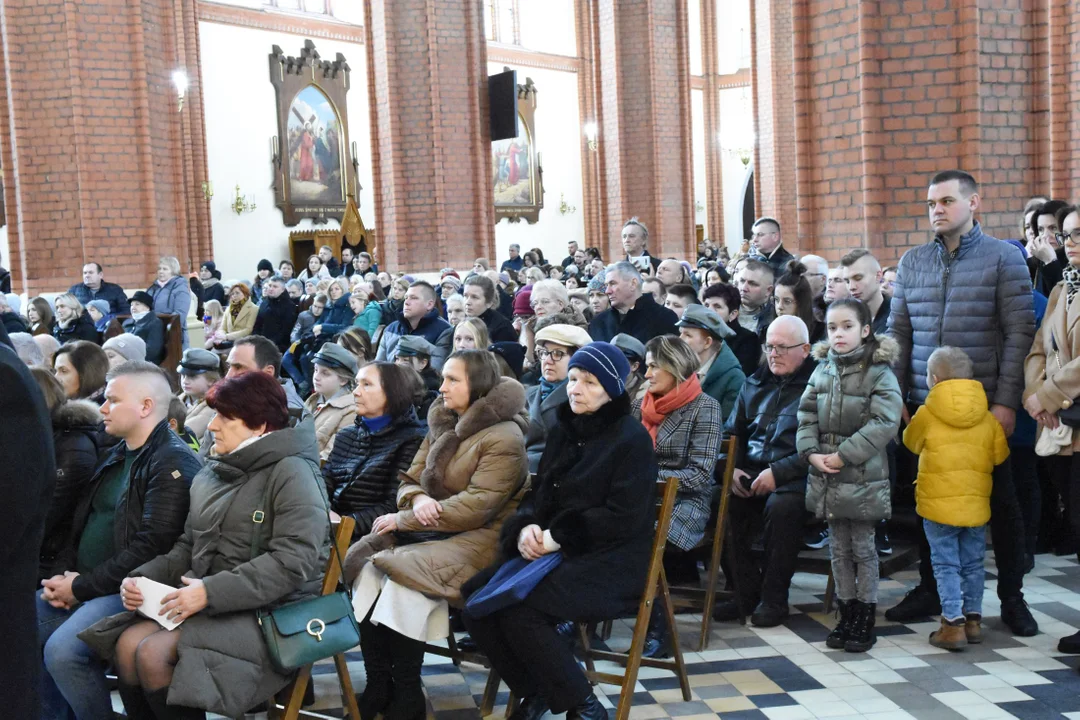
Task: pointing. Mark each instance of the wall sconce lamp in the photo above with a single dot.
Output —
(241, 205)
(564, 207)
(207, 190)
(180, 82)
(590, 135)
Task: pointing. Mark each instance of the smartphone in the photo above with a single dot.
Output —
(641, 263)
(746, 481)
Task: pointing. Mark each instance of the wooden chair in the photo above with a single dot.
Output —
(656, 582)
(458, 656)
(292, 697)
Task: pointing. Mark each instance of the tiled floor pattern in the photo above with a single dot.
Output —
(786, 673)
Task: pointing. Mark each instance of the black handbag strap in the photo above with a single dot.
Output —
(259, 519)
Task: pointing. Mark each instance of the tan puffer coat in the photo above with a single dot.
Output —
(476, 467)
(335, 415)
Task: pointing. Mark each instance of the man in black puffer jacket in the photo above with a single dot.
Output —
(967, 290)
(770, 480)
(277, 314)
(133, 510)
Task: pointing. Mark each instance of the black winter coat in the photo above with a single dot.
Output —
(81, 329)
(13, 323)
(499, 328)
(595, 491)
(77, 439)
(644, 321)
(765, 419)
(276, 319)
(149, 516)
(5, 280)
(362, 471)
(747, 348)
(110, 292)
(152, 331)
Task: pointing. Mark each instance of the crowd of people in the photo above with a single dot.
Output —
(504, 416)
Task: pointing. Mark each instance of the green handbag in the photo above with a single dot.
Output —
(303, 632)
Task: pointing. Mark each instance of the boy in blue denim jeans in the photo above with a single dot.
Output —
(958, 443)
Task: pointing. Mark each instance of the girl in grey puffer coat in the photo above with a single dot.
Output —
(849, 412)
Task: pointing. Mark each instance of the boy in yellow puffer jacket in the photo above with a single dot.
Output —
(958, 443)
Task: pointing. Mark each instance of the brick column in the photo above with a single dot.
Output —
(714, 171)
(98, 163)
(431, 149)
(642, 71)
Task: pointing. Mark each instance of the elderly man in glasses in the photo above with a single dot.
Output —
(770, 479)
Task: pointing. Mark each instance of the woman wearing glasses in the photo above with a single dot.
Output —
(555, 344)
(793, 296)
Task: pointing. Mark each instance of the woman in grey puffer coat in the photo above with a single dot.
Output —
(257, 536)
(849, 413)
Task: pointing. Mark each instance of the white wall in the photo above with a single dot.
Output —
(736, 131)
(558, 140)
(241, 117)
(698, 140)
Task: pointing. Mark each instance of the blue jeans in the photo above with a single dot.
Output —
(957, 555)
(73, 679)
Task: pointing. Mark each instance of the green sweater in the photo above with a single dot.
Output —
(96, 544)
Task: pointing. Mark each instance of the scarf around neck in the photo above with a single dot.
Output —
(655, 410)
(1071, 276)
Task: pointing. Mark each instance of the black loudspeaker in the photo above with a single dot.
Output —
(502, 105)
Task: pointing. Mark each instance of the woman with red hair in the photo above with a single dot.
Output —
(227, 565)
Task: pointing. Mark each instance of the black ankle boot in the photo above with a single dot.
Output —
(407, 657)
(377, 665)
(842, 631)
(861, 631)
(589, 709)
(135, 705)
(657, 639)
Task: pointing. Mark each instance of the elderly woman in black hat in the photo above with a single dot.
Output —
(592, 500)
(331, 402)
(199, 371)
(146, 324)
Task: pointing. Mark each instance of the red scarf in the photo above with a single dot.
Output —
(654, 410)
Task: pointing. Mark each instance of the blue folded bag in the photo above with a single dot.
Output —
(511, 584)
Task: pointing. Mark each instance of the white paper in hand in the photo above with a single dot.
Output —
(152, 593)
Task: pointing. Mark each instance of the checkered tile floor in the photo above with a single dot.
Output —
(786, 673)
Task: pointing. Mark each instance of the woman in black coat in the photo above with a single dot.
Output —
(593, 500)
(72, 321)
(76, 426)
(362, 471)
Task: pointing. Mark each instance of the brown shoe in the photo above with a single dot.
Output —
(973, 628)
(951, 635)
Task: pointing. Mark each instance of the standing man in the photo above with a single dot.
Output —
(94, 287)
(765, 241)
(756, 289)
(967, 290)
(347, 268)
(632, 311)
(328, 259)
(418, 317)
(635, 239)
(515, 263)
(277, 314)
(571, 249)
(862, 273)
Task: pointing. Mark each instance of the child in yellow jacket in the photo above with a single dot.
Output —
(958, 442)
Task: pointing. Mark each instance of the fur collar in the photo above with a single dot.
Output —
(505, 402)
(886, 351)
(76, 413)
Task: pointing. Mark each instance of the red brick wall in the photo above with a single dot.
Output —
(98, 163)
(427, 80)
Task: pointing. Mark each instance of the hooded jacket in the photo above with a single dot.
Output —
(431, 327)
(224, 666)
(475, 466)
(851, 406)
(958, 443)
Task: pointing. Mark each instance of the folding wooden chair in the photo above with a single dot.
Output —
(656, 580)
(718, 535)
(458, 656)
(293, 695)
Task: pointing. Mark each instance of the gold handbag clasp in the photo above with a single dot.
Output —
(317, 634)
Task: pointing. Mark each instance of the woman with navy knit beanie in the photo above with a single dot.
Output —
(592, 500)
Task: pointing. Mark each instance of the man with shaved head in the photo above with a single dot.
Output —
(862, 272)
(132, 510)
(770, 481)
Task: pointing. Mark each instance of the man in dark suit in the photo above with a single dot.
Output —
(632, 312)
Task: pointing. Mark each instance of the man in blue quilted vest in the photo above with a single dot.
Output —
(971, 291)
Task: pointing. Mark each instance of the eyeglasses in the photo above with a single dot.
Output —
(556, 355)
(779, 349)
(1072, 238)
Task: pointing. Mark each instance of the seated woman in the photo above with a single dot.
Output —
(546, 298)
(146, 324)
(331, 404)
(467, 478)
(594, 501)
(368, 456)
(171, 294)
(72, 321)
(40, 315)
(239, 319)
(217, 659)
(80, 367)
(555, 346)
(455, 309)
(76, 426)
(471, 334)
(793, 296)
(686, 426)
(315, 269)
